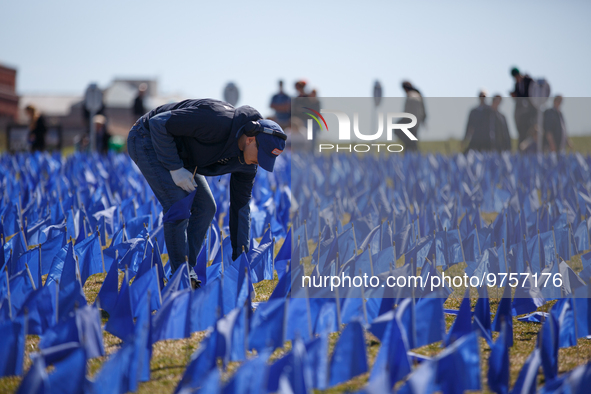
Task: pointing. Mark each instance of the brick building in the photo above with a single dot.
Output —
(8, 99)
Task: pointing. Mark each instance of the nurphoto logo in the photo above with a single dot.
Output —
(392, 119)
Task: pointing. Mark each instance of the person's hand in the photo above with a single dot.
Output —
(183, 179)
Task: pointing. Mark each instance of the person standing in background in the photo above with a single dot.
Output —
(555, 138)
(102, 134)
(300, 87)
(500, 129)
(479, 129)
(298, 114)
(525, 113)
(138, 103)
(37, 128)
(281, 103)
(414, 105)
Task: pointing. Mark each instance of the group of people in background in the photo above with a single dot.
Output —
(486, 129)
(38, 127)
(287, 117)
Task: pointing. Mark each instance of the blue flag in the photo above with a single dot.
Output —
(70, 298)
(205, 306)
(564, 315)
(422, 380)
(12, 343)
(114, 376)
(139, 366)
(250, 376)
(463, 323)
(293, 369)
(141, 287)
(349, 357)
(171, 321)
(10, 220)
(262, 259)
(300, 322)
(528, 376)
(181, 209)
(13, 249)
(137, 225)
(267, 325)
(285, 251)
(109, 291)
(528, 297)
(83, 327)
(21, 287)
(423, 323)
(392, 357)
(179, 281)
(69, 374)
(202, 362)
(211, 383)
(575, 381)
(463, 355)
(548, 343)
(225, 329)
(504, 315)
(49, 249)
(36, 380)
(89, 257)
(41, 305)
(498, 364)
(482, 315)
(120, 322)
(70, 268)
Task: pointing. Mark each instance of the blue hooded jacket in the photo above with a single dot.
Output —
(202, 133)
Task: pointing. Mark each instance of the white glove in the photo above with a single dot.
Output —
(184, 179)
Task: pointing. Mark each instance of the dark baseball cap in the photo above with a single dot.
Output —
(270, 145)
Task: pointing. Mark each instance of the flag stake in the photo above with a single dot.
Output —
(30, 276)
(24, 237)
(308, 311)
(363, 300)
(370, 259)
(8, 293)
(354, 237)
(40, 268)
(101, 248)
(478, 240)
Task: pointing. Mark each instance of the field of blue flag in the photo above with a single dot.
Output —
(88, 302)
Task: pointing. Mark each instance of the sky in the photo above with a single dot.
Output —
(447, 49)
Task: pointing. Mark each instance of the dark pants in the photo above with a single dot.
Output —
(183, 237)
(526, 118)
